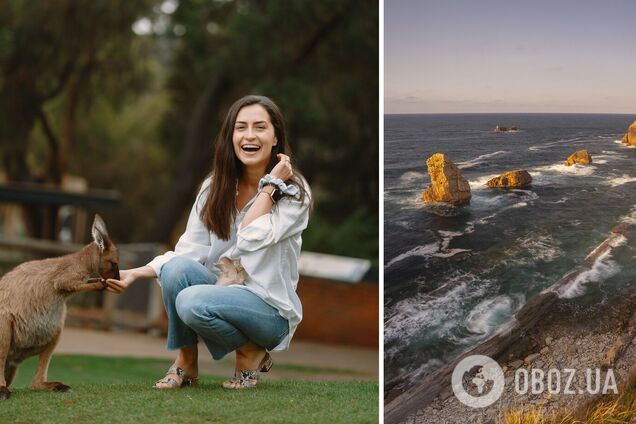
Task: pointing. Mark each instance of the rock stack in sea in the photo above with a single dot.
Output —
(447, 183)
(630, 137)
(581, 157)
(499, 128)
(511, 179)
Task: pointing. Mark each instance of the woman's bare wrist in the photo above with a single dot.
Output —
(144, 272)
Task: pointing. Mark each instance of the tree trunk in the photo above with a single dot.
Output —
(195, 162)
(18, 113)
(68, 121)
(20, 109)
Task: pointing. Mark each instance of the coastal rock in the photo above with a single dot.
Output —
(499, 128)
(581, 156)
(508, 179)
(447, 183)
(530, 358)
(516, 364)
(630, 137)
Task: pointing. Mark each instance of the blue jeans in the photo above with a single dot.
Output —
(225, 317)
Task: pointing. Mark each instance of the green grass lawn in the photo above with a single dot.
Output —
(117, 390)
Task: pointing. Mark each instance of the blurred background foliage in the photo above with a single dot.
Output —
(130, 94)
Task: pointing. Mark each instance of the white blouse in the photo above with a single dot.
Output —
(268, 249)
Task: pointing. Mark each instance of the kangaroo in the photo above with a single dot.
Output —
(33, 304)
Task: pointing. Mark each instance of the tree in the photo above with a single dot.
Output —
(48, 50)
(78, 87)
(318, 60)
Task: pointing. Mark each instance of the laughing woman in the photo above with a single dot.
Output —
(231, 279)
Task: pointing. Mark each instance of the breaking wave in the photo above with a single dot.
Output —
(619, 181)
(575, 169)
(489, 314)
(602, 269)
(434, 316)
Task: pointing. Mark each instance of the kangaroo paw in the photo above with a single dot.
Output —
(52, 386)
(59, 387)
(4, 393)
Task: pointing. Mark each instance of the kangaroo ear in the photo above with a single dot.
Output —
(100, 233)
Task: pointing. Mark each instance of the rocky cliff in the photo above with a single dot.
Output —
(447, 183)
(582, 157)
(511, 179)
(630, 137)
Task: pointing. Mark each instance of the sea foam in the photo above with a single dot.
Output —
(627, 146)
(540, 147)
(480, 159)
(602, 269)
(410, 176)
(438, 249)
(433, 316)
(488, 314)
(575, 169)
(631, 217)
(480, 182)
(619, 181)
(543, 248)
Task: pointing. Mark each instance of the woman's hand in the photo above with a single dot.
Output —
(263, 204)
(283, 169)
(127, 277)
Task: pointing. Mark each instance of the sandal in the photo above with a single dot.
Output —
(186, 380)
(248, 379)
(243, 379)
(266, 363)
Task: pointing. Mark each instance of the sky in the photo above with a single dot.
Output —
(454, 56)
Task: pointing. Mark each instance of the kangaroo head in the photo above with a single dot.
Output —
(108, 266)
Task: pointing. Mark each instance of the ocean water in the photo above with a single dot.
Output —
(451, 281)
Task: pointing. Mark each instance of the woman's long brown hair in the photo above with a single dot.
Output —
(219, 211)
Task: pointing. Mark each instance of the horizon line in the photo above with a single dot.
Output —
(510, 113)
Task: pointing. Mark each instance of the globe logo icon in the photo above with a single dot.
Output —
(485, 376)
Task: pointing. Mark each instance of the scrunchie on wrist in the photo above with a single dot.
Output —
(289, 189)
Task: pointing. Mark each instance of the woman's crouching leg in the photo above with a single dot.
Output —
(176, 275)
(227, 318)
